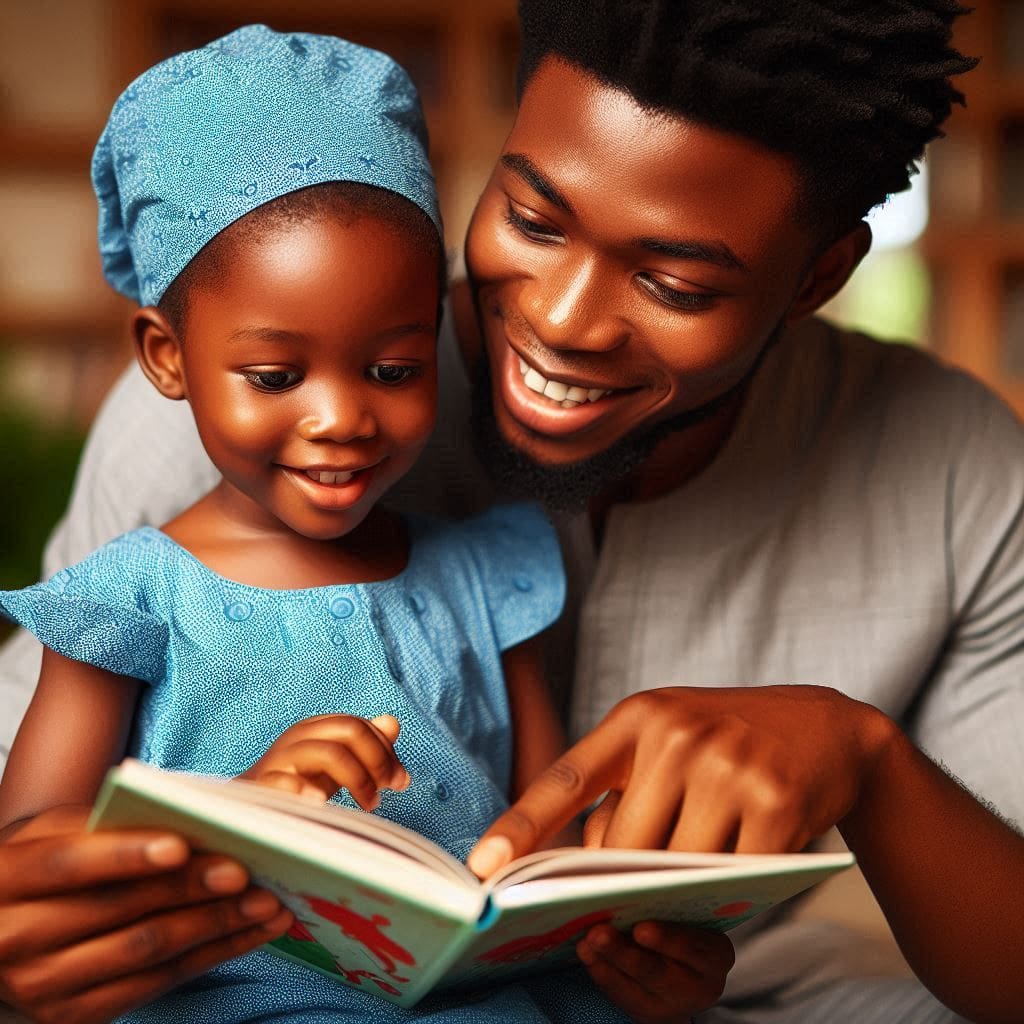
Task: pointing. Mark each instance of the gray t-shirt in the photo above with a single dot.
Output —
(861, 529)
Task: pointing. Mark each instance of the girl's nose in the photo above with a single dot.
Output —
(339, 418)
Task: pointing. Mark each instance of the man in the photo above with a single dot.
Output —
(749, 497)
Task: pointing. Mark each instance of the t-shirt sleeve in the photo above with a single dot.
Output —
(521, 569)
(970, 712)
(88, 614)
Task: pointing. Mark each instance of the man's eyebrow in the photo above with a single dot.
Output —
(522, 165)
(716, 253)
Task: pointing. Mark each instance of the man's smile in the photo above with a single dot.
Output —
(568, 396)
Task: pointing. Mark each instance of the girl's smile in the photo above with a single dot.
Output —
(332, 489)
(309, 362)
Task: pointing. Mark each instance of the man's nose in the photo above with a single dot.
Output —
(337, 414)
(574, 307)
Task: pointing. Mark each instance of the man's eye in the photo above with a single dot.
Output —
(530, 228)
(272, 380)
(392, 373)
(675, 297)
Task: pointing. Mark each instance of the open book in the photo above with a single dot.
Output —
(384, 909)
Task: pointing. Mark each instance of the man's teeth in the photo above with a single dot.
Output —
(324, 477)
(568, 397)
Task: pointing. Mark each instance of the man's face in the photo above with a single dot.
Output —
(627, 265)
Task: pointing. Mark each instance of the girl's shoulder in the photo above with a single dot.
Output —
(102, 609)
(508, 559)
(129, 563)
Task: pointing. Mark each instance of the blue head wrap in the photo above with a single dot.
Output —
(205, 137)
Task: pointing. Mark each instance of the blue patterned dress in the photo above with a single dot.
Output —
(229, 667)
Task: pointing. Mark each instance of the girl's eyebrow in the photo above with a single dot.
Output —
(283, 335)
(267, 334)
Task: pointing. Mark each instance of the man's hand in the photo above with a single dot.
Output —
(661, 973)
(318, 756)
(95, 924)
(753, 769)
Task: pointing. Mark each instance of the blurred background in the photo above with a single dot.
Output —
(947, 270)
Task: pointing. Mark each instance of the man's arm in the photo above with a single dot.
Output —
(142, 464)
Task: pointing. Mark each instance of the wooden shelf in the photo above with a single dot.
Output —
(974, 244)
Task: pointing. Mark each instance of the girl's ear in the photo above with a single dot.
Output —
(831, 270)
(158, 351)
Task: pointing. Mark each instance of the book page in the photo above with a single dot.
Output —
(350, 821)
(537, 923)
(580, 862)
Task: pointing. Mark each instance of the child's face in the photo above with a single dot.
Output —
(310, 366)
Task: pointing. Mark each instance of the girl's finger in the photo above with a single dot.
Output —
(370, 743)
(341, 764)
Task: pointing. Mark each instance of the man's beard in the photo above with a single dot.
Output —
(570, 487)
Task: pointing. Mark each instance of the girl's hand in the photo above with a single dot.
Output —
(318, 756)
(663, 974)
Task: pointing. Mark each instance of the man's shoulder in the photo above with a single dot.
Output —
(865, 384)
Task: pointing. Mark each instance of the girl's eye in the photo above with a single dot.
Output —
(272, 380)
(531, 228)
(678, 299)
(392, 374)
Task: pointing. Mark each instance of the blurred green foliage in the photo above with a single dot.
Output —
(37, 464)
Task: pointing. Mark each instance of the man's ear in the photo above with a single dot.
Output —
(830, 271)
(158, 351)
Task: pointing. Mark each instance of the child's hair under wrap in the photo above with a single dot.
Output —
(204, 138)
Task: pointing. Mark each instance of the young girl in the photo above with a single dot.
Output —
(268, 201)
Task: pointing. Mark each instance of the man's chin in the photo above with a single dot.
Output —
(570, 486)
(560, 486)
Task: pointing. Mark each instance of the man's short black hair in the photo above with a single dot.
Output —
(853, 90)
(344, 200)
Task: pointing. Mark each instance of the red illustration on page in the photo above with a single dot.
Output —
(367, 932)
(533, 947)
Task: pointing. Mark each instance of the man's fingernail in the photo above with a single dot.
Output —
(166, 851)
(224, 877)
(490, 855)
(259, 904)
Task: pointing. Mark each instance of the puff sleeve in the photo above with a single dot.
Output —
(521, 570)
(92, 613)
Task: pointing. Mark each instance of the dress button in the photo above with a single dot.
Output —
(342, 608)
(238, 611)
(441, 791)
(522, 583)
(418, 605)
(338, 639)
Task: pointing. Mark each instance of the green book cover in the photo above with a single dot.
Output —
(383, 909)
